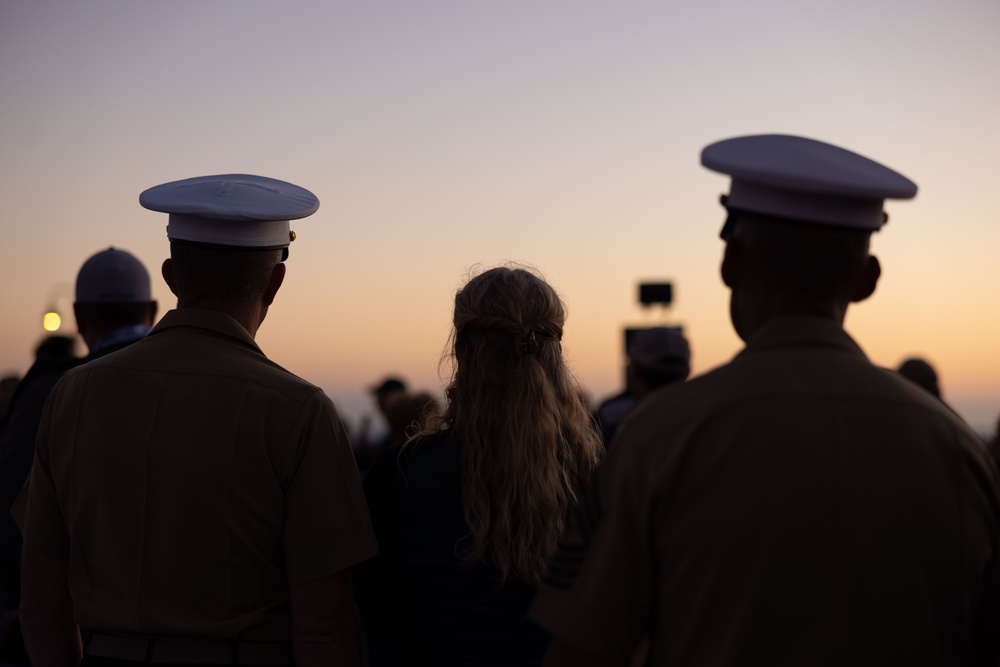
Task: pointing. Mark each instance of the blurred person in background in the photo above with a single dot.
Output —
(468, 513)
(657, 357)
(408, 414)
(366, 450)
(921, 373)
(114, 308)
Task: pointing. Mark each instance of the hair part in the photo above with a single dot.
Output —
(206, 275)
(529, 444)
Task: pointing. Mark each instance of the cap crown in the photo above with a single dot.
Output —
(113, 276)
(806, 180)
(236, 210)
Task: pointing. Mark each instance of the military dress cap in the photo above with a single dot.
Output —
(805, 180)
(113, 276)
(231, 210)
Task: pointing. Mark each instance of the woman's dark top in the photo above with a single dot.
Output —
(420, 603)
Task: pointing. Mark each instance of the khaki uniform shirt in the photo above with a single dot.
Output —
(190, 482)
(797, 506)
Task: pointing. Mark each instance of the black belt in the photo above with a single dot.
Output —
(161, 651)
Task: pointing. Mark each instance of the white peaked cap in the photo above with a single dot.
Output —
(805, 180)
(234, 210)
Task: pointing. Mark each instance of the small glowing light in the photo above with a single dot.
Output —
(51, 321)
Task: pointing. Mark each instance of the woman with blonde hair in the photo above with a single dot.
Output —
(469, 511)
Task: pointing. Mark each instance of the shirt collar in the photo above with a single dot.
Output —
(788, 332)
(211, 320)
(127, 334)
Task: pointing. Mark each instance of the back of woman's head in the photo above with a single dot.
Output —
(528, 441)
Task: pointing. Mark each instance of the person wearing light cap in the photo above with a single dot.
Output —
(191, 501)
(114, 308)
(798, 505)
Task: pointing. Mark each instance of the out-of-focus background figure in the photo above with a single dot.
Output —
(409, 414)
(366, 448)
(920, 372)
(657, 357)
(113, 308)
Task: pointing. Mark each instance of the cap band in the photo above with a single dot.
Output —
(240, 234)
(806, 206)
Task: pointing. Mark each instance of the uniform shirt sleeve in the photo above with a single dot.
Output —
(37, 510)
(597, 595)
(327, 527)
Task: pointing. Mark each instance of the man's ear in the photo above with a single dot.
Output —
(732, 261)
(81, 322)
(868, 280)
(167, 269)
(277, 277)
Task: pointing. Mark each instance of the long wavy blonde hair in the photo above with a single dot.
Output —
(528, 442)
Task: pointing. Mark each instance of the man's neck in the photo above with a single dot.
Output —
(249, 319)
(752, 319)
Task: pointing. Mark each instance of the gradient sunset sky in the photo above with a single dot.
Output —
(441, 136)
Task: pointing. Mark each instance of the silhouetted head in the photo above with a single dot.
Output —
(800, 213)
(528, 441)
(657, 356)
(777, 267)
(112, 291)
(386, 390)
(507, 316)
(407, 414)
(206, 277)
(229, 235)
(920, 372)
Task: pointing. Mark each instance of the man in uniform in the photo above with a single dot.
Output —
(190, 500)
(797, 506)
(114, 308)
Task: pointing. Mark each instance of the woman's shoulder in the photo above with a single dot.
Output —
(425, 451)
(433, 457)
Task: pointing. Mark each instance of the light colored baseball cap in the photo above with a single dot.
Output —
(113, 276)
